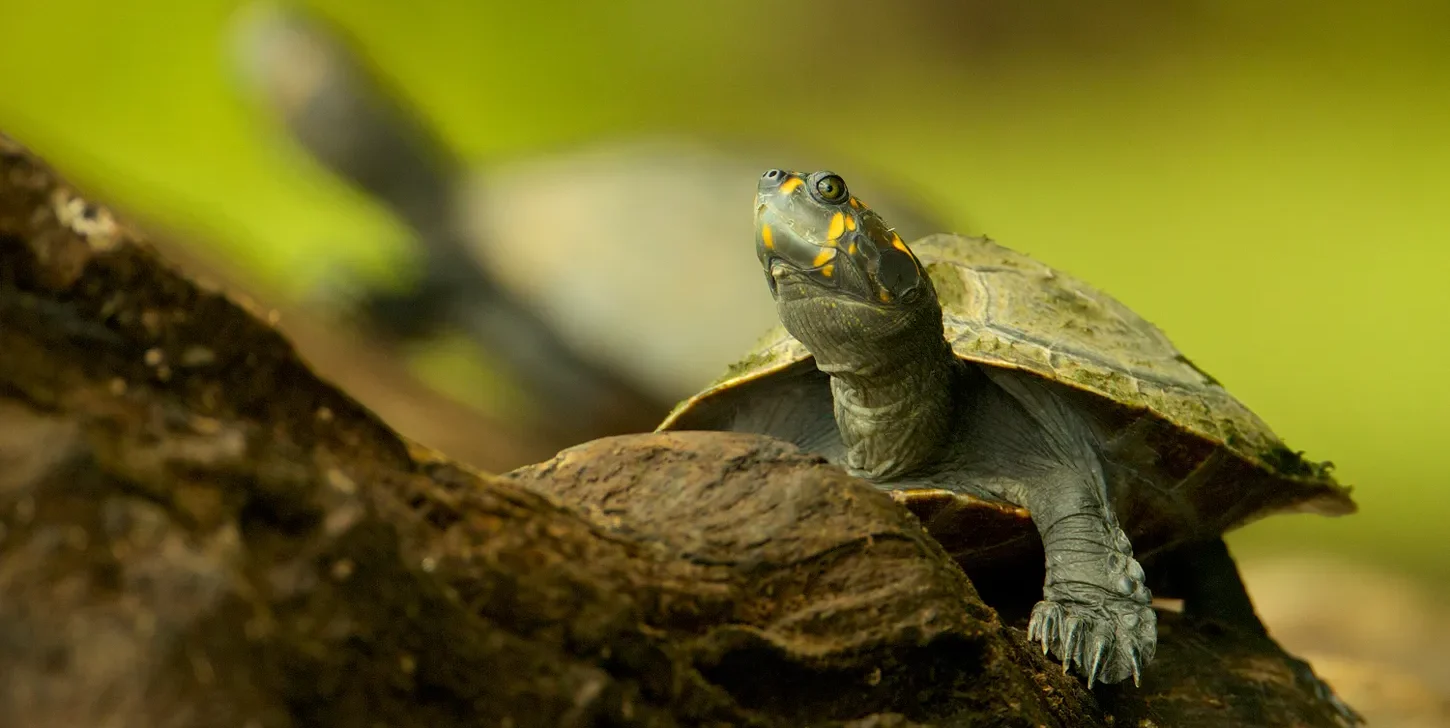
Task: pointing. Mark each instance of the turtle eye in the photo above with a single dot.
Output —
(831, 189)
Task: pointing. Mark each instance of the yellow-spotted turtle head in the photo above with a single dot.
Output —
(844, 282)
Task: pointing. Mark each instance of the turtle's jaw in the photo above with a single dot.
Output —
(783, 246)
(789, 283)
(797, 266)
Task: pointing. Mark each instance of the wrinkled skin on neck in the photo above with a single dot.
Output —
(891, 374)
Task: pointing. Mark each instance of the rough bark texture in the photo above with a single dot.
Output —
(197, 531)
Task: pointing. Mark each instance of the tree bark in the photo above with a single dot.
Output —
(195, 530)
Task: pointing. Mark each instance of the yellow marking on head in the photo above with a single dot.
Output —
(767, 236)
(896, 243)
(851, 250)
(855, 203)
(850, 223)
(838, 226)
(884, 295)
(791, 185)
(823, 257)
(828, 269)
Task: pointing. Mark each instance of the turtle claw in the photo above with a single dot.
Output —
(1042, 624)
(1070, 640)
(1109, 641)
(1100, 650)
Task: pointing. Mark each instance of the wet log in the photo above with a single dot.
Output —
(197, 530)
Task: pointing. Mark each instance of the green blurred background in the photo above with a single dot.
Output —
(1266, 182)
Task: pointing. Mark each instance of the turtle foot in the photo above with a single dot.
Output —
(1110, 640)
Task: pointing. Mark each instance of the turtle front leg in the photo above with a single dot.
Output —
(1095, 609)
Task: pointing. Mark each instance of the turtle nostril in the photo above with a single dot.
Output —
(773, 174)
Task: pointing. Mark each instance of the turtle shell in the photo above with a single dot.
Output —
(1183, 457)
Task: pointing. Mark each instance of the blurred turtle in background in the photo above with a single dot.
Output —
(603, 304)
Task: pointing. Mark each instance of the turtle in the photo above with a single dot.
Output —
(1015, 409)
